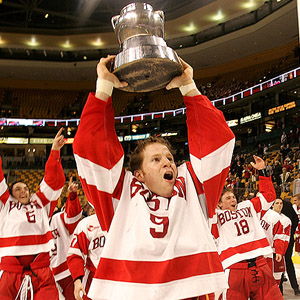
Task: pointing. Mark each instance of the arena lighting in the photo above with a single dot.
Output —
(249, 4)
(98, 42)
(189, 28)
(66, 44)
(33, 42)
(13, 140)
(47, 141)
(218, 16)
(136, 137)
(232, 123)
(40, 141)
(1, 41)
(268, 127)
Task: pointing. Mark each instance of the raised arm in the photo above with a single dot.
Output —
(54, 179)
(97, 150)
(267, 194)
(73, 210)
(4, 193)
(211, 142)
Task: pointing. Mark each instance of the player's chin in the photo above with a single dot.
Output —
(168, 191)
(24, 201)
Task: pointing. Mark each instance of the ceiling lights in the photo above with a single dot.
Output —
(190, 28)
(98, 42)
(218, 16)
(66, 44)
(248, 4)
(32, 42)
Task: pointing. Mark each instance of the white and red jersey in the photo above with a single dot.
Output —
(86, 247)
(24, 229)
(62, 227)
(286, 224)
(271, 223)
(157, 248)
(238, 234)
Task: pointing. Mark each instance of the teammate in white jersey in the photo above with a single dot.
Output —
(159, 246)
(277, 228)
(84, 253)
(62, 226)
(25, 235)
(242, 243)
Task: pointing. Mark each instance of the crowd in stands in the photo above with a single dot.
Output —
(283, 165)
(37, 103)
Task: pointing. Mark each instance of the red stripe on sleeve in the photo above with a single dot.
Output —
(213, 190)
(215, 231)
(102, 203)
(198, 185)
(82, 243)
(61, 268)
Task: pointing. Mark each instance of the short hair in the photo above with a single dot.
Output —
(136, 158)
(275, 201)
(12, 185)
(297, 196)
(225, 190)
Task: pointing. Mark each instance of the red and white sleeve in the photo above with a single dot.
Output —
(211, 144)
(99, 156)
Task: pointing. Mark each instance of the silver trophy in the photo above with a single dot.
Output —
(144, 61)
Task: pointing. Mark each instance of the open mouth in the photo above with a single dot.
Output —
(168, 176)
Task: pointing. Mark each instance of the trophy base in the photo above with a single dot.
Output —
(146, 63)
(148, 74)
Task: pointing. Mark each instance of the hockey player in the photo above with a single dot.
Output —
(84, 253)
(25, 235)
(159, 246)
(242, 242)
(277, 229)
(62, 226)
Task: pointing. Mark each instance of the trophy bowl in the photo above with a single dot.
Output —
(144, 61)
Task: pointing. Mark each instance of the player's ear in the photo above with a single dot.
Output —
(139, 175)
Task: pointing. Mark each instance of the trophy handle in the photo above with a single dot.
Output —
(114, 20)
(162, 15)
